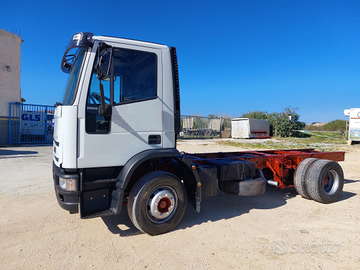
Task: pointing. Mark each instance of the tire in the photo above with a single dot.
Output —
(244, 188)
(326, 181)
(157, 203)
(208, 133)
(301, 174)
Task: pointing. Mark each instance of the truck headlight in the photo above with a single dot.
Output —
(68, 184)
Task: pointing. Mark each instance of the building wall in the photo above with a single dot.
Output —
(10, 56)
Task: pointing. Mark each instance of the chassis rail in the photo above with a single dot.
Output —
(277, 165)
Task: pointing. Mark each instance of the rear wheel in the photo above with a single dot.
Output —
(301, 174)
(157, 203)
(325, 182)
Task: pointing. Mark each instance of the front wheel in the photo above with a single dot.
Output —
(157, 203)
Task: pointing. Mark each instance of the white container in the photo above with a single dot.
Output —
(354, 124)
(244, 128)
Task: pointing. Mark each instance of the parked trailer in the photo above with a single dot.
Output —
(248, 128)
(197, 126)
(115, 142)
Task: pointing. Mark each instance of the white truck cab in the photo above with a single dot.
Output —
(119, 105)
(137, 94)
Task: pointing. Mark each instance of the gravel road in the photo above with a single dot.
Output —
(277, 230)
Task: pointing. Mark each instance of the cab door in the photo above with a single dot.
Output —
(133, 93)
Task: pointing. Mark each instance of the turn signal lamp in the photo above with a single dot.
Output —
(68, 184)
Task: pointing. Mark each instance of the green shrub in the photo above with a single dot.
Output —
(335, 125)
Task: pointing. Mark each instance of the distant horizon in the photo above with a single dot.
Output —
(220, 116)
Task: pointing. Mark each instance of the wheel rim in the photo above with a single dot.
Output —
(161, 204)
(331, 182)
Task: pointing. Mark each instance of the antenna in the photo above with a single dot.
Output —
(16, 32)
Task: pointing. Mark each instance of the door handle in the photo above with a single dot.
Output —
(154, 139)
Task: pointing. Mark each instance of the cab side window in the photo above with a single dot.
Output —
(134, 76)
(132, 79)
(95, 123)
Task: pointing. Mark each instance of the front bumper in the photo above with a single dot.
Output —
(68, 200)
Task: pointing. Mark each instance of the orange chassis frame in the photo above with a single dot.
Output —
(280, 165)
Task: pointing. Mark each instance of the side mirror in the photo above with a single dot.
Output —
(104, 64)
(105, 110)
(103, 67)
(66, 67)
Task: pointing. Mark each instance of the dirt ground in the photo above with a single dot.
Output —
(277, 230)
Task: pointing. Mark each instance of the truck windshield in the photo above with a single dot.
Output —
(74, 77)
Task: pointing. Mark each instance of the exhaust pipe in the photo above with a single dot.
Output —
(270, 182)
(273, 183)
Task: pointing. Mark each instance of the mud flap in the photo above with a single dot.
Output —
(193, 188)
(116, 201)
(95, 203)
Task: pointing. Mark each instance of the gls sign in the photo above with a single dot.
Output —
(30, 117)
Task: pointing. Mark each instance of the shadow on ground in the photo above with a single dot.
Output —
(7, 153)
(222, 206)
(348, 181)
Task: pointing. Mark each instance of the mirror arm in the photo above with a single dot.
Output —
(103, 109)
(102, 97)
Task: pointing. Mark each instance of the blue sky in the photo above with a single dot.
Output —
(234, 56)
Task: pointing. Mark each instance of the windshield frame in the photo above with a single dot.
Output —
(73, 82)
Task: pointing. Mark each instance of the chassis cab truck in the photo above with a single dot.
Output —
(115, 142)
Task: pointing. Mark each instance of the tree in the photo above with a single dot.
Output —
(286, 123)
(255, 115)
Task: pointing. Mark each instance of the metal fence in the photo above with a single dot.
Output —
(201, 127)
(30, 123)
(35, 124)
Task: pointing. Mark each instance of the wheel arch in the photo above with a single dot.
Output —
(167, 160)
(132, 165)
(176, 164)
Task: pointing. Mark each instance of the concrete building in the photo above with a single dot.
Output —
(10, 55)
